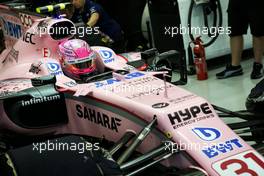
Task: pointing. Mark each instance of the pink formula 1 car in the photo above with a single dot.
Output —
(134, 109)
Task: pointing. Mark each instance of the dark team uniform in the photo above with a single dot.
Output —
(244, 13)
(105, 23)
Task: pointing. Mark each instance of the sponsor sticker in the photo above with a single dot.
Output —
(190, 115)
(11, 56)
(207, 134)
(26, 20)
(46, 52)
(54, 68)
(107, 56)
(28, 38)
(160, 105)
(35, 67)
(182, 99)
(44, 99)
(70, 84)
(11, 29)
(222, 148)
(97, 117)
(114, 80)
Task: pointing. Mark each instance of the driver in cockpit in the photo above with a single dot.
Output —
(77, 59)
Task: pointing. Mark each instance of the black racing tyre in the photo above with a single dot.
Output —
(255, 100)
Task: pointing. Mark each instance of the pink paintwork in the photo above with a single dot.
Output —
(128, 102)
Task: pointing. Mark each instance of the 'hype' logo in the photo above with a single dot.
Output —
(207, 134)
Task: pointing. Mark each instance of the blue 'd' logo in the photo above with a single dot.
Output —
(107, 56)
(54, 68)
(207, 134)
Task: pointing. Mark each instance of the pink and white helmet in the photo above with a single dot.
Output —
(77, 58)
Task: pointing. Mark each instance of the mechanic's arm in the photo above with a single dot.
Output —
(93, 19)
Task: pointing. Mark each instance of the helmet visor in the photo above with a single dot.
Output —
(83, 65)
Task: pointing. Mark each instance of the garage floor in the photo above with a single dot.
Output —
(228, 93)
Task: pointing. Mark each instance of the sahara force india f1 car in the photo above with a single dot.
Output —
(126, 106)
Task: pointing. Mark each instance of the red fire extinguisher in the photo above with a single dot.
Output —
(199, 59)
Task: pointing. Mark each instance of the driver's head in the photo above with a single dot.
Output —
(78, 4)
(78, 58)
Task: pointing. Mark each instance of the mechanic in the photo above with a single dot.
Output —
(242, 14)
(94, 15)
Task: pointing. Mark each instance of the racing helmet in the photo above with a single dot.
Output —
(77, 58)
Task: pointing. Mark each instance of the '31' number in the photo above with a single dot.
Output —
(249, 163)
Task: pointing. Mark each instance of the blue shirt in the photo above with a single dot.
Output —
(105, 23)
